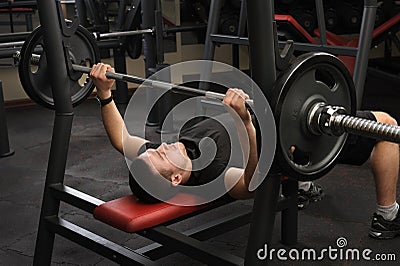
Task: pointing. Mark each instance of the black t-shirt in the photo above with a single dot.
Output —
(212, 145)
(217, 148)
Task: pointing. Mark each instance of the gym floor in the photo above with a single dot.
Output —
(96, 168)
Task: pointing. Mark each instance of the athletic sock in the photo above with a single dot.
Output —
(388, 213)
(305, 185)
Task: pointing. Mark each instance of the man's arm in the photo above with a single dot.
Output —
(112, 120)
(235, 99)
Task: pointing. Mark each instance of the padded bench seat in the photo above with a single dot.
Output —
(130, 215)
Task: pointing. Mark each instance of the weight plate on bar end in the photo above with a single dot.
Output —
(33, 72)
(312, 78)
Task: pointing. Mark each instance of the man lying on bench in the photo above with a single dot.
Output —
(173, 162)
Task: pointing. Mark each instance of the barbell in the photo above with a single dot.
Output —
(35, 59)
(313, 101)
(33, 71)
(161, 85)
(98, 36)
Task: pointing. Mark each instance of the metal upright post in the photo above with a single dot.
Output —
(121, 14)
(289, 215)
(5, 150)
(262, 61)
(241, 32)
(150, 54)
(122, 96)
(166, 102)
(209, 49)
(364, 46)
(209, 45)
(148, 22)
(28, 21)
(212, 28)
(10, 14)
(321, 21)
(158, 21)
(51, 21)
(81, 12)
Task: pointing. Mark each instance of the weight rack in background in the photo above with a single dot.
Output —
(25, 8)
(361, 52)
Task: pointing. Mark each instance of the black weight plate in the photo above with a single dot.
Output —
(312, 78)
(34, 75)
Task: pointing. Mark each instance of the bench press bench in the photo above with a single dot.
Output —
(151, 221)
(131, 216)
(126, 213)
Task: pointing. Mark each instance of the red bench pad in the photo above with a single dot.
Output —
(131, 216)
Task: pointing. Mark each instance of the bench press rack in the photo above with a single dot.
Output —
(150, 220)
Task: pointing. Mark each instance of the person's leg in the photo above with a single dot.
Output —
(308, 192)
(385, 165)
(385, 168)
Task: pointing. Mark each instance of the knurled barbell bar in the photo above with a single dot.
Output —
(313, 102)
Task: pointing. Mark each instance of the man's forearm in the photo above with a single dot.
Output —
(114, 125)
(112, 120)
(248, 143)
(118, 134)
(252, 161)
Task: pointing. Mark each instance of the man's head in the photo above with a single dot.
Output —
(169, 162)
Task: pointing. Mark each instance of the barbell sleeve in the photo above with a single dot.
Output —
(333, 120)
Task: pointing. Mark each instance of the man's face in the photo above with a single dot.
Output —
(168, 158)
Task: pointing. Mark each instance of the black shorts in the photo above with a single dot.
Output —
(357, 149)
